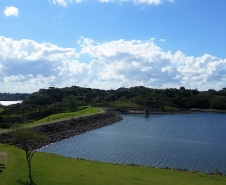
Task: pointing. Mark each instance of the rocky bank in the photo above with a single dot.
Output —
(65, 129)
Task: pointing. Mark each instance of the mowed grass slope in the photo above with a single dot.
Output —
(55, 117)
(51, 169)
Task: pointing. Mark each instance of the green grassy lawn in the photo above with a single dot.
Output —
(55, 117)
(51, 169)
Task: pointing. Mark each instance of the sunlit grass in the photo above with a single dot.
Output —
(51, 169)
(54, 117)
(60, 116)
(1, 110)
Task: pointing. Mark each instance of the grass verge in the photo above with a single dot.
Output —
(51, 169)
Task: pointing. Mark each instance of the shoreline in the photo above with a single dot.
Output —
(208, 110)
(65, 129)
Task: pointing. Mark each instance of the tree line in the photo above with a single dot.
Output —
(13, 96)
(181, 98)
(53, 100)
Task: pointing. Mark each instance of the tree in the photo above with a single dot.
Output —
(219, 102)
(28, 140)
(71, 103)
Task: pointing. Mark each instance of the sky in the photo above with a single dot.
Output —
(108, 44)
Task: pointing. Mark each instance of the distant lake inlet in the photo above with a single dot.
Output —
(188, 141)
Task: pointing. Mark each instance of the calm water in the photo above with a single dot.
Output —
(190, 141)
(6, 103)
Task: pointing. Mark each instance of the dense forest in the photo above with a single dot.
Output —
(138, 96)
(56, 100)
(135, 96)
(13, 97)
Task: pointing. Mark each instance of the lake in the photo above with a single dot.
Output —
(6, 103)
(188, 141)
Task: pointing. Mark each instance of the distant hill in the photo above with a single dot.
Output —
(181, 98)
(13, 97)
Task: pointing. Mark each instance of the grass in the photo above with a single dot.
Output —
(51, 169)
(168, 108)
(55, 117)
(1, 110)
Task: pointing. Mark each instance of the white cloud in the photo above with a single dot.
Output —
(64, 2)
(154, 2)
(27, 66)
(162, 40)
(151, 2)
(136, 62)
(26, 59)
(11, 11)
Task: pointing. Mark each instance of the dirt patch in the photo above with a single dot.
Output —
(3, 160)
(4, 154)
(3, 157)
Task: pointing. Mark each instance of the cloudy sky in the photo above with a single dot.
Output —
(108, 44)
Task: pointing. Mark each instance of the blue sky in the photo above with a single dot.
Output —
(109, 44)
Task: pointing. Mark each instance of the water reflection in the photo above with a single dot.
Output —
(189, 141)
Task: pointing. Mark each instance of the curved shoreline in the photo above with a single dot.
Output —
(65, 129)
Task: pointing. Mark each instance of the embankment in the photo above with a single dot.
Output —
(65, 129)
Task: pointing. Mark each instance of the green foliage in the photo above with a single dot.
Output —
(50, 101)
(219, 102)
(134, 96)
(71, 103)
(54, 117)
(168, 108)
(13, 96)
(122, 104)
(51, 169)
(1, 109)
(28, 140)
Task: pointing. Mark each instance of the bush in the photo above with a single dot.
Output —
(219, 103)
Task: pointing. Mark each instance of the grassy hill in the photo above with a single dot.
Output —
(51, 169)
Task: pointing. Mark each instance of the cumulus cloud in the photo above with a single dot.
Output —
(136, 62)
(11, 11)
(25, 60)
(26, 66)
